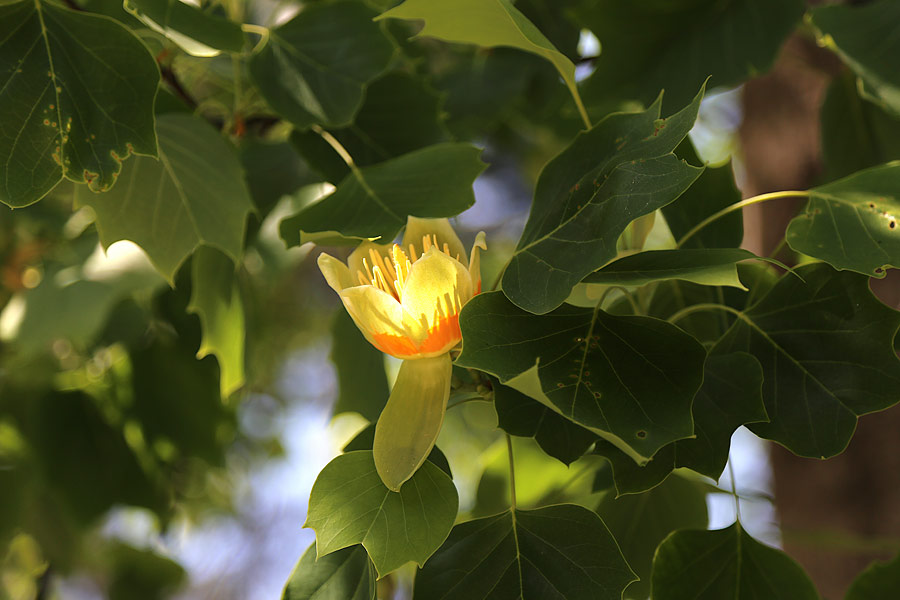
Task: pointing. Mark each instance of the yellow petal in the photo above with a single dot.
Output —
(417, 228)
(475, 261)
(336, 273)
(411, 419)
(355, 260)
(381, 319)
(435, 291)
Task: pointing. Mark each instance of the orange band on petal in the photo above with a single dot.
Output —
(443, 335)
(395, 345)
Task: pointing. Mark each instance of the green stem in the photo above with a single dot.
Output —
(512, 477)
(581, 109)
(737, 206)
(262, 32)
(701, 307)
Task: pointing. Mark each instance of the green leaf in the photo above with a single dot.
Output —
(864, 37)
(879, 580)
(350, 505)
(586, 196)
(519, 415)
(194, 194)
(373, 202)
(76, 99)
(714, 190)
(347, 574)
(365, 439)
(400, 114)
(314, 68)
(559, 552)
(640, 522)
(197, 32)
(362, 381)
(650, 45)
(726, 563)
(856, 134)
(631, 380)
(216, 299)
(704, 266)
(852, 223)
(486, 23)
(825, 344)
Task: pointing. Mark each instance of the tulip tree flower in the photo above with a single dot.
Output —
(406, 301)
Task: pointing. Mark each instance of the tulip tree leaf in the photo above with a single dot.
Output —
(519, 415)
(76, 99)
(629, 379)
(879, 580)
(196, 31)
(486, 23)
(865, 38)
(587, 195)
(825, 344)
(350, 505)
(856, 134)
(347, 574)
(314, 68)
(726, 563)
(648, 45)
(705, 266)
(374, 201)
(194, 194)
(365, 439)
(640, 522)
(362, 380)
(561, 551)
(853, 223)
(216, 299)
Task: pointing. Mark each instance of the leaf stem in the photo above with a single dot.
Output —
(262, 32)
(580, 105)
(512, 476)
(738, 206)
(688, 310)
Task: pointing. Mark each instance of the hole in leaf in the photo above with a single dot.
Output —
(641, 434)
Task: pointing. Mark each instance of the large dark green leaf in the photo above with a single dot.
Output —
(856, 133)
(198, 32)
(517, 414)
(400, 114)
(561, 552)
(865, 37)
(194, 194)
(346, 574)
(314, 68)
(879, 580)
(853, 223)
(373, 202)
(726, 563)
(620, 170)
(706, 266)
(640, 522)
(76, 99)
(631, 380)
(826, 348)
(350, 505)
(648, 45)
(362, 380)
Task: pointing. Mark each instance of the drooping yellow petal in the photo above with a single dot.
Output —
(475, 261)
(418, 229)
(336, 273)
(412, 418)
(381, 319)
(435, 291)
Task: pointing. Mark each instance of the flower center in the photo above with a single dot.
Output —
(390, 275)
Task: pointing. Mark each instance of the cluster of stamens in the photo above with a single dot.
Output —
(390, 275)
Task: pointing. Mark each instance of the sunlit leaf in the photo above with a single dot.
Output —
(216, 299)
(879, 580)
(314, 68)
(631, 380)
(726, 563)
(555, 552)
(826, 348)
(705, 266)
(194, 194)
(587, 195)
(347, 574)
(853, 223)
(365, 439)
(196, 31)
(350, 505)
(76, 99)
(374, 201)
